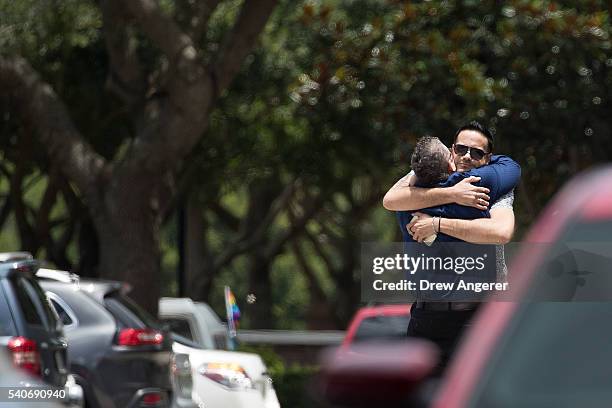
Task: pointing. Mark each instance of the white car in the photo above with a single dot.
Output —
(221, 378)
(228, 379)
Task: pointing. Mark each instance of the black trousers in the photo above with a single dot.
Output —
(442, 327)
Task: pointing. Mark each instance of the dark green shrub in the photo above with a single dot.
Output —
(290, 382)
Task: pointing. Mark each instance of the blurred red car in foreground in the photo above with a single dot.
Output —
(378, 323)
(548, 347)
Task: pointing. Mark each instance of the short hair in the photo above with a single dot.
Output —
(477, 127)
(429, 161)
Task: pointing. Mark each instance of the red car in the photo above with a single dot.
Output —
(548, 346)
(378, 323)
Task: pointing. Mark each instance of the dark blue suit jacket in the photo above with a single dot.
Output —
(500, 176)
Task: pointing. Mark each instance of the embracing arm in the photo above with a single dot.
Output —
(501, 175)
(495, 230)
(404, 196)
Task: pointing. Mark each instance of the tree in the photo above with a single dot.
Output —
(127, 194)
(318, 122)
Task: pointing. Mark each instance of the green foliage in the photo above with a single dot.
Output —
(335, 95)
(292, 387)
(48, 30)
(291, 383)
(290, 294)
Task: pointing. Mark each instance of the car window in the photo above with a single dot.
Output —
(48, 311)
(62, 313)
(576, 266)
(179, 326)
(128, 313)
(26, 298)
(7, 327)
(382, 327)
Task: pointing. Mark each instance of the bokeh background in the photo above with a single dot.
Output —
(183, 146)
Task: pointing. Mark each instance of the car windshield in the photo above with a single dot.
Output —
(179, 327)
(129, 313)
(557, 355)
(382, 327)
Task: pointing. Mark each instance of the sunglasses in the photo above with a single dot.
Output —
(475, 153)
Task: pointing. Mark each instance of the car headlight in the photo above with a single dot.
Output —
(231, 375)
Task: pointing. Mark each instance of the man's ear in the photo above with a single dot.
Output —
(451, 165)
(488, 157)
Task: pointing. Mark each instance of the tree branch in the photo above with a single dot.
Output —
(179, 117)
(248, 240)
(41, 106)
(46, 205)
(225, 216)
(161, 29)
(310, 274)
(125, 77)
(56, 250)
(321, 252)
(26, 232)
(5, 211)
(197, 16)
(241, 40)
(297, 226)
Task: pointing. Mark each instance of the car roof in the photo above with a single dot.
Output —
(96, 288)
(383, 310)
(15, 256)
(170, 306)
(11, 267)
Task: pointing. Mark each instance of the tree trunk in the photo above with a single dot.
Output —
(261, 286)
(199, 266)
(129, 233)
(88, 247)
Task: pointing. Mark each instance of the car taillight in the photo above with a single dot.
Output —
(25, 354)
(152, 399)
(139, 337)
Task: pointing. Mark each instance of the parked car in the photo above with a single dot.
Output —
(195, 321)
(378, 323)
(15, 379)
(119, 354)
(221, 378)
(29, 329)
(544, 344)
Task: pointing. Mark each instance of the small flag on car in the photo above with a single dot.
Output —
(233, 312)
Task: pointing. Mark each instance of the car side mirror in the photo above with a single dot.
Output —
(370, 375)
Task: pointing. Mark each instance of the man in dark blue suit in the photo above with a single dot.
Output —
(455, 206)
(432, 162)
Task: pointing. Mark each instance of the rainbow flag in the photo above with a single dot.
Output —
(232, 310)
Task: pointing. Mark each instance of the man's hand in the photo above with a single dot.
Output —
(465, 193)
(420, 227)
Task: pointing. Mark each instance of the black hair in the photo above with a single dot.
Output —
(477, 127)
(429, 161)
